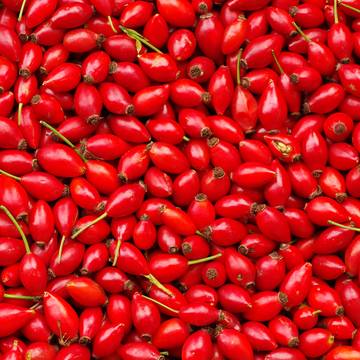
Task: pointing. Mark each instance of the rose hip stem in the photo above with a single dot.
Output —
(21, 10)
(298, 29)
(63, 138)
(19, 229)
(349, 7)
(347, 227)
(139, 38)
(160, 304)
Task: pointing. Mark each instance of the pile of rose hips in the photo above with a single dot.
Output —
(179, 180)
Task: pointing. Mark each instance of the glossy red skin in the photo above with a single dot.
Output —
(68, 16)
(240, 270)
(223, 154)
(338, 126)
(37, 12)
(235, 34)
(86, 292)
(66, 353)
(299, 45)
(234, 298)
(202, 294)
(95, 233)
(253, 175)
(11, 251)
(340, 41)
(112, 279)
(231, 342)
(70, 259)
(95, 258)
(332, 240)
(144, 234)
(41, 222)
(150, 100)
(136, 15)
(156, 30)
(7, 100)
(46, 34)
(102, 175)
(324, 298)
(108, 339)
(58, 79)
(259, 336)
(195, 123)
(10, 45)
(88, 103)
(80, 41)
(328, 267)
(213, 274)
(16, 162)
(138, 350)
(215, 183)
(322, 209)
(270, 271)
(129, 128)
(60, 160)
(37, 329)
(273, 224)
(298, 278)
(120, 48)
(60, 316)
(165, 130)
(197, 346)
(285, 331)
(8, 73)
(225, 232)
(349, 294)
(341, 327)
(343, 156)
(14, 197)
(200, 69)
(53, 57)
(319, 102)
(348, 74)
(119, 311)
(210, 27)
(316, 342)
(129, 75)
(65, 216)
(47, 108)
(25, 89)
(171, 334)
(343, 352)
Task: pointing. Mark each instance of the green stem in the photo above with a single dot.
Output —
(21, 297)
(22, 10)
(56, 132)
(277, 62)
(61, 247)
(18, 227)
(99, 218)
(185, 138)
(158, 284)
(209, 258)
(238, 67)
(116, 253)
(343, 226)
(336, 15)
(350, 8)
(137, 36)
(298, 29)
(63, 138)
(160, 304)
(112, 24)
(3, 172)
(20, 113)
(199, 233)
